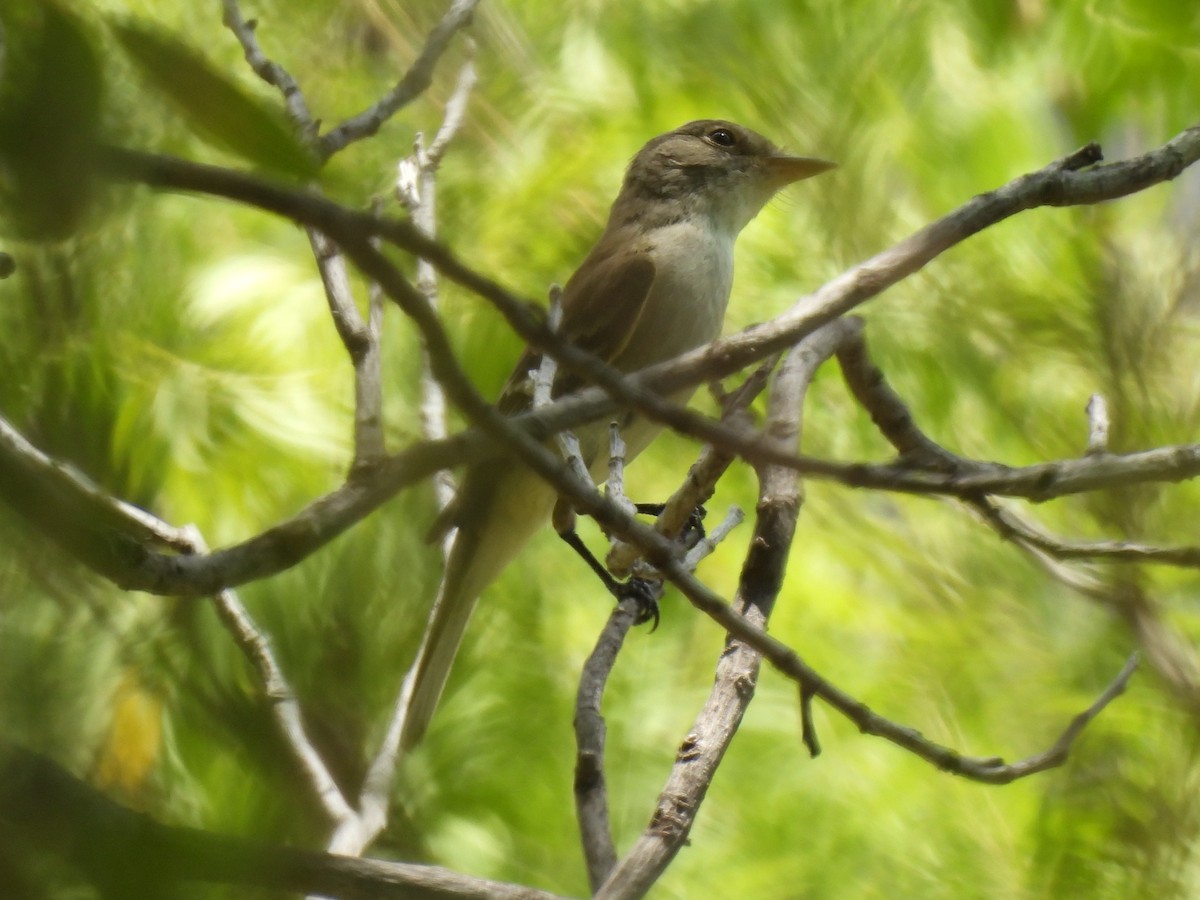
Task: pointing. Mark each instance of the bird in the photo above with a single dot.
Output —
(655, 285)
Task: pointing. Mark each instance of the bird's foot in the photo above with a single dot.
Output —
(643, 592)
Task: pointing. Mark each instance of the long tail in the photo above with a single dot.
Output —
(500, 514)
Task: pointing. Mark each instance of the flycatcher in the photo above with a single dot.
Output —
(654, 286)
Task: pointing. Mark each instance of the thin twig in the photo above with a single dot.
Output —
(456, 110)
(1011, 525)
(370, 440)
(408, 88)
(614, 486)
(543, 376)
(270, 71)
(889, 412)
(285, 709)
(705, 546)
(416, 188)
(354, 834)
(808, 728)
(361, 340)
(24, 463)
(591, 792)
(543, 390)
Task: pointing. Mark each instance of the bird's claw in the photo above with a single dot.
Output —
(642, 592)
(693, 531)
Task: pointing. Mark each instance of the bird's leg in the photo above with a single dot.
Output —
(640, 590)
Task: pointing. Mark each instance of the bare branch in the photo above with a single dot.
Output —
(370, 440)
(808, 728)
(893, 418)
(361, 340)
(705, 546)
(346, 318)
(1015, 527)
(28, 469)
(1057, 754)
(888, 411)
(737, 670)
(995, 770)
(285, 709)
(269, 71)
(456, 110)
(614, 486)
(416, 188)
(785, 660)
(411, 86)
(1175, 663)
(591, 791)
(542, 377)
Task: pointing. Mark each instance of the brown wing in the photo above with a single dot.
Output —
(602, 304)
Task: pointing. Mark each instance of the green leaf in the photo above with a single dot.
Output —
(216, 108)
(49, 116)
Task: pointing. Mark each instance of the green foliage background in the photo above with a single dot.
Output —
(179, 351)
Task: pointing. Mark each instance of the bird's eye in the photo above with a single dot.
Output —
(722, 137)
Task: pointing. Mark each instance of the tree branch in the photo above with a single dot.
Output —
(118, 547)
(416, 188)
(268, 70)
(361, 340)
(591, 790)
(704, 747)
(407, 89)
(1009, 524)
(285, 709)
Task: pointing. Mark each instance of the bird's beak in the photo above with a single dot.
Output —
(787, 169)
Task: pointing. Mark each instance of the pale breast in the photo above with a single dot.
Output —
(686, 307)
